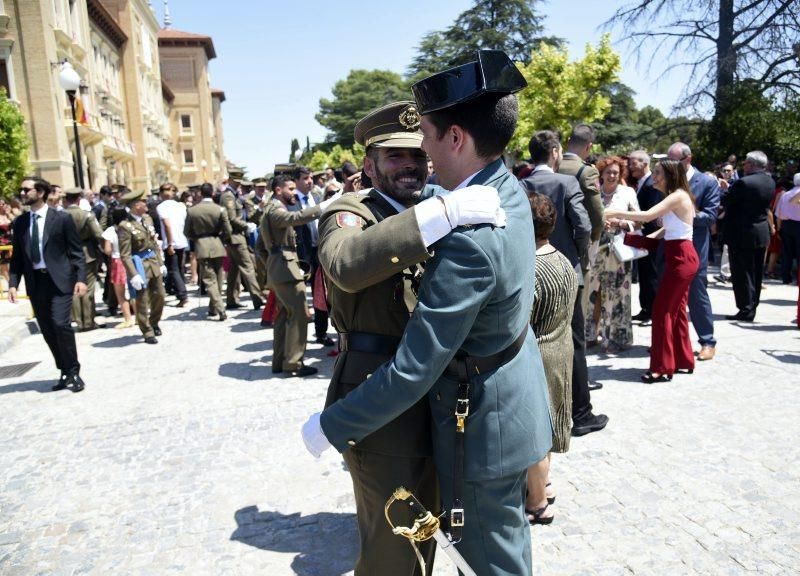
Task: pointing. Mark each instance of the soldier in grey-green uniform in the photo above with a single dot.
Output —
(241, 263)
(370, 315)
(285, 277)
(207, 225)
(144, 265)
(91, 235)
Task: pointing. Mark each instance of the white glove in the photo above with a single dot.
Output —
(137, 282)
(325, 203)
(251, 227)
(313, 436)
(594, 247)
(163, 270)
(475, 204)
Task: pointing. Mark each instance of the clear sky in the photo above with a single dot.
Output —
(277, 58)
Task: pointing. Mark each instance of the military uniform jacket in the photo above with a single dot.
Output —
(476, 295)
(572, 165)
(89, 230)
(278, 235)
(351, 253)
(136, 237)
(238, 224)
(252, 205)
(207, 225)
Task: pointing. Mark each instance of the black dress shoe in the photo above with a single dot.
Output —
(277, 370)
(223, 316)
(183, 302)
(595, 386)
(257, 303)
(211, 313)
(737, 316)
(302, 372)
(641, 317)
(156, 330)
(150, 340)
(76, 383)
(326, 341)
(234, 306)
(594, 423)
(61, 384)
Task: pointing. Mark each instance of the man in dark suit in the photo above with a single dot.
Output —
(747, 219)
(49, 255)
(571, 237)
(706, 193)
(648, 196)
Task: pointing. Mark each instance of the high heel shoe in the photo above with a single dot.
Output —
(684, 371)
(649, 378)
(537, 516)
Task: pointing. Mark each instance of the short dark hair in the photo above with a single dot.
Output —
(301, 171)
(119, 215)
(542, 144)
(106, 190)
(281, 179)
(544, 215)
(582, 134)
(41, 185)
(206, 190)
(166, 186)
(490, 119)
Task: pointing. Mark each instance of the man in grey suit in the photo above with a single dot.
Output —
(468, 344)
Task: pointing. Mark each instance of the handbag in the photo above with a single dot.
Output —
(624, 252)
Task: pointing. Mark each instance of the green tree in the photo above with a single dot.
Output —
(13, 147)
(354, 97)
(514, 26)
(561, 93)
(295, 147)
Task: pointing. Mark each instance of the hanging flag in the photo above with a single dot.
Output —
(80, 112)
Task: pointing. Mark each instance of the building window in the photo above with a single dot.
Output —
(186, 122)
(188, 156)
(4, 81)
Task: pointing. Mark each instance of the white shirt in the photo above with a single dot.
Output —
(42, 214)
(110, 234)
(395, 204)
(175, 212)
(543, 168)
(689, 172)
(466, 182)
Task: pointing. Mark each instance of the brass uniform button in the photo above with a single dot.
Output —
(351, 442)
(395, 259)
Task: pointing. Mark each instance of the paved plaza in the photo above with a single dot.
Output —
(186, 458)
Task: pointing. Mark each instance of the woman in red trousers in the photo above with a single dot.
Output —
(671, 348)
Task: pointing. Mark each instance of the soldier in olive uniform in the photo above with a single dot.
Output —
(285, 278)
(370, 317)
(91, 236)
(254, 204)
(139, 251)
(241, 263)
(207, 225)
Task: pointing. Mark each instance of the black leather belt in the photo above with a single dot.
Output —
(41, 270)
(368, 342)
(462, 368)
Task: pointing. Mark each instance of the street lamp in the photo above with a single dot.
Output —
(70, 83)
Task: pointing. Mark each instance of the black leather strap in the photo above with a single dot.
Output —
(457, 368)
(368, 342)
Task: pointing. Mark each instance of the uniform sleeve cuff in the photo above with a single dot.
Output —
(431, 220)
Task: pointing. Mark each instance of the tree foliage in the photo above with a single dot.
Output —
(722, 42)
(354, 97)
(320, 159)
(510, 25)
(561, 93)
(13, 147)
(295, 146)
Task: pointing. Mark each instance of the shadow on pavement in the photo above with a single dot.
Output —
(606, 373)
(40, 386)
(326, 543)
(264, 346)
(764, 327)
(121, 341)
(248, 371)
(787, 356)
(776, 302)
(246, 327)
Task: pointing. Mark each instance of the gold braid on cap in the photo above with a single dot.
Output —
(409, 118)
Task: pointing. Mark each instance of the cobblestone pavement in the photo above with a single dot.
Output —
(185, 458)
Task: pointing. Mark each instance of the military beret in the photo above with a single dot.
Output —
(395, 125)
(133, 196)
(73, 192)
(492, 71)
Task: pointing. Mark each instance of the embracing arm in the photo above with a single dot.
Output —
(666, 205)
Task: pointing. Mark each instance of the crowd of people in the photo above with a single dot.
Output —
(431, 295)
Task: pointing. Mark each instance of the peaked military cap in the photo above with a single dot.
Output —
(260, 183)
(491, 72)
(133, 196)
(395, 125)
(73, 192)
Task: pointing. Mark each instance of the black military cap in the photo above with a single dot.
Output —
(395, 125)
(491, 72)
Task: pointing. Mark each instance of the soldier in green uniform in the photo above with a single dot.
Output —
(467, 345)
(144, 265)
(241, 263)
(207, 226)
(285, 277)
(91, 236)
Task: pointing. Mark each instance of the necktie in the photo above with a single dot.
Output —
(35, 254)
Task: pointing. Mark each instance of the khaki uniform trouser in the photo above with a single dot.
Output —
(150, 299)
(83, 307)
(375, 477)
(212, 275)
(261, 273)
(291, 326)
(241, 267)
